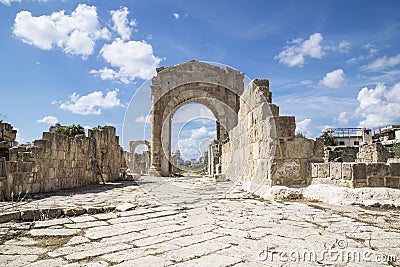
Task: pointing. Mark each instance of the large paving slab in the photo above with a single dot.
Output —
(194, 221)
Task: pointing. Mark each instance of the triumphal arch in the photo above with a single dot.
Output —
(258, 145)
(218, 89)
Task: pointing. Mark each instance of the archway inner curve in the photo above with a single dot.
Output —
(223, 103)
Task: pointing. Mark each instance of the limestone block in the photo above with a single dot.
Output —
(359, 171)
(376, 181)
(305, 170)
(319, 148)
(392, 182)
(285, 126)
(52, 173)
(262, 111)
(286, 169)
(61, 155)
(26, 166)
(347, 171)
(220, 177)
(394, 169)
(323, 170)
(314, 170)
(11, 167)
(300, 148)
(35, 188)
(377, 169)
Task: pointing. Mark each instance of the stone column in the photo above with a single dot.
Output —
(165, 152)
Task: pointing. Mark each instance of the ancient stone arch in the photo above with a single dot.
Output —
(133, 145)
(218, 89)
(259, 147)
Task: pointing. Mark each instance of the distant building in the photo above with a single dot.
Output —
(390, 135)
(351, 136)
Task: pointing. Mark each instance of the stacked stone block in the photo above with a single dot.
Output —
(340, 153)
(262, 148)
(375, 152)
(108, 152)
(191, 82)
(3, 178)
(58, 162)
(7, 138)
(355, 175)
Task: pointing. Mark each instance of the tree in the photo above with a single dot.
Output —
(328, 139)
(396, 150)
(98, 127)
(70, 130)
(300, 135)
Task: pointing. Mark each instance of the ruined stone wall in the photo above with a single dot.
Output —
(355, 175)
(340, 153)
(108, 153)
(3, 178)
(375, 152)
(7, 138)
(59, 162)
(262, 149)
(52, 163)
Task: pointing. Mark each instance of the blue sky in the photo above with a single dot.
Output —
(330, 63)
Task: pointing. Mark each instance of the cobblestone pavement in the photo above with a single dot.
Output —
(211, 224)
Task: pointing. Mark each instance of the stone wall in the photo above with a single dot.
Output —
(340, 153)
(109, 154)
(3, 178)
(7, 138)
(375, 152)
(59, 162)
(262, 150)
(355, 175)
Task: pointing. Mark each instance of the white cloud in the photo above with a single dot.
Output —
(382, 63)
(133, 59)
(8, 2)
(304, 127)
(51, 120)
(121, 23)
(176, 15)
(76, 34)
(344, 46)
(372, 49)
(306, 82)
(193, 146)
(91, 103)
(294, 54)
(342, 118)
(19, 138)
(143, 119)
(333, 79)
(379, 106)
(192, 112)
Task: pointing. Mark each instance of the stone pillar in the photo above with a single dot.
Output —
(155, 147)
(165, 154)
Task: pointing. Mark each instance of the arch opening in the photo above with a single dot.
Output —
(139, 159)
(193, 128)
(222, 102)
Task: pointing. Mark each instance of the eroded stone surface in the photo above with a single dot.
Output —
(233, 229)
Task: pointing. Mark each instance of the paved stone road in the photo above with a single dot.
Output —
(211, 224)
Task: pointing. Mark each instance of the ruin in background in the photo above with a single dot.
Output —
(58, 162)
(255, 145)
